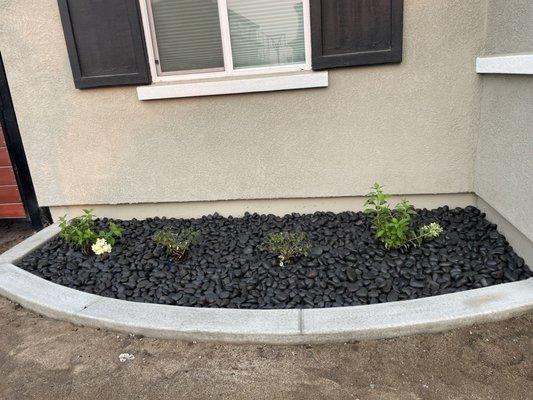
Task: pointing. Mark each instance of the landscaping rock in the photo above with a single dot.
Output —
(346, 266)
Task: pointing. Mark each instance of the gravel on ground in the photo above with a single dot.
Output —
(45, 359)
(347, 266)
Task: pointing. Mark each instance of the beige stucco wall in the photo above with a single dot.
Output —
(509, 26)
(411, 126)
(504, 165)
(238, 208)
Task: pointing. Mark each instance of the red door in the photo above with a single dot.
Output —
(10, 201)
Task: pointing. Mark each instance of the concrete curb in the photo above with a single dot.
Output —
(27, 246)
(375, 321)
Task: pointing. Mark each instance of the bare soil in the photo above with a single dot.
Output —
(44, 359)
(13, 232)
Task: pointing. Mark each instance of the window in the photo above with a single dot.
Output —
(184, 48)
(195, 39)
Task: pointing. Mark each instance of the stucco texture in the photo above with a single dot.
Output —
(504, 162)
(504, 168)
(509, 26)
(411, 126)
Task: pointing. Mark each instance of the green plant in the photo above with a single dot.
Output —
(176, 245)
(393, 226)
(287, 246)
(79, 232)
(427, 232)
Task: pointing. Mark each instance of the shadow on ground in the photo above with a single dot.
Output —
(13, 232)
(45, 359)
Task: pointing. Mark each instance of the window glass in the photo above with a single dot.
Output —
(188, 35)
(266, 32)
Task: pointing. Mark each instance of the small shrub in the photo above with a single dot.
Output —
(176, 245)
(79, 233)
(393, 227)
(287, 246)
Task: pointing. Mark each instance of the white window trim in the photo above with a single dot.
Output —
(505, 64)
(210, 82)
(248, 84)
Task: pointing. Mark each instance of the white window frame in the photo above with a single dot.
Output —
(229, 71)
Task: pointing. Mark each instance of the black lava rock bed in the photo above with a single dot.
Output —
(347, 265)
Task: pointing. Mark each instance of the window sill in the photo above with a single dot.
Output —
(505, 64)
(265, 83)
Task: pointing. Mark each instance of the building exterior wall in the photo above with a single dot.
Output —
(504, 164)
(411, 126)
(509, 26)
(237, 208)
(10, 201)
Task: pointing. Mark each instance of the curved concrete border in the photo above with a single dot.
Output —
(375, 321)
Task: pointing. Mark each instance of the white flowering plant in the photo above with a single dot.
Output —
(427, 232)
(393, 226)
(79, 233)
(101, 247)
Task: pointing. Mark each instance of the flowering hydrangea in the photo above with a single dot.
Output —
(101, 247)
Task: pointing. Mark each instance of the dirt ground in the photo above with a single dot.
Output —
(13, 232)
(44, 359)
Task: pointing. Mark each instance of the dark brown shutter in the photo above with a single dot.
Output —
(105, 42)
(356, 32)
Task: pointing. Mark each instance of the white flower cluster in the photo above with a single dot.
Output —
(432, 230)
(101, 247)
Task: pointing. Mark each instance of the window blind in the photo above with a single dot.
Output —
(188, 34)
(266, 32)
